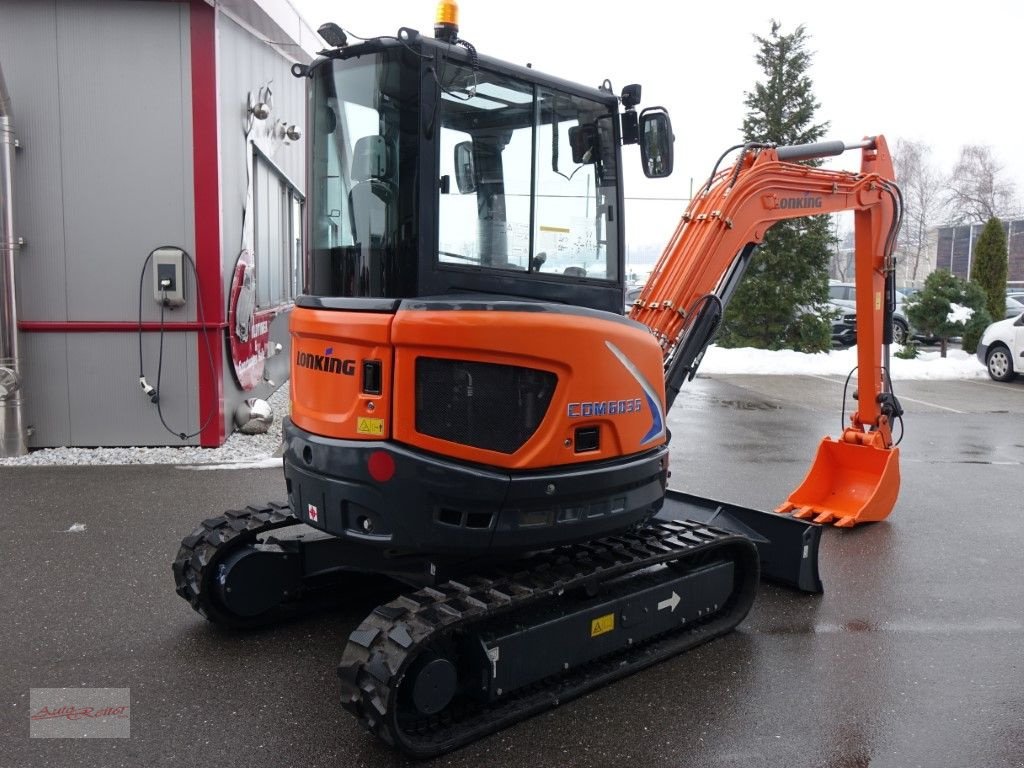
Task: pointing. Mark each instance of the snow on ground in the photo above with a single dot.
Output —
(839, 362)
(258, 451)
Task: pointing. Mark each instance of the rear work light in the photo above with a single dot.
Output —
(381, 466)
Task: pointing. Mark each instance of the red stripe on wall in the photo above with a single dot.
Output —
(115, 326)
(206, 178)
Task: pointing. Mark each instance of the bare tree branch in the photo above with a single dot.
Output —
(924, 206)
(978, 187)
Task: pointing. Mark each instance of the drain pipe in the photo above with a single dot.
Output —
(12, 426)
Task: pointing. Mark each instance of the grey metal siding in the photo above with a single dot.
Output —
(84, 389)
(126, 148)
(244, 65)
(45, 370)
(28, 52)
(102, 103)
(117, 413)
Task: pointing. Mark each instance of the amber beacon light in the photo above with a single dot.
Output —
(446, 21)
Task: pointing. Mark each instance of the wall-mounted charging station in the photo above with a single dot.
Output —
(168, 265)
(169, 277)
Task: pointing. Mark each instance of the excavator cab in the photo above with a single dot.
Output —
(462, 317)
(435, 171)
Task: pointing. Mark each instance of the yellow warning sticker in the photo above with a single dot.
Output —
(367, 426)
(602, 625)
(878, 300)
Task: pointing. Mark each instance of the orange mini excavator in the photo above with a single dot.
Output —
(473, 416)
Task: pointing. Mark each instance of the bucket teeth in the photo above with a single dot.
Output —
(849, 483)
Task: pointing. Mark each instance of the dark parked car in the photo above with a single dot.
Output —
(844, 326)
(842, 295)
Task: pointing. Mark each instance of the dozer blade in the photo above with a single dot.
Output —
(788, 548)
(848, 484)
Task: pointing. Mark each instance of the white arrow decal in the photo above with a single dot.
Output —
(671, 603)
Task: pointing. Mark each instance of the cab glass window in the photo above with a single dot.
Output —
(527, 178)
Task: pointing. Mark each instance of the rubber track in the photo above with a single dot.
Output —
(202, 549)
(381, 650)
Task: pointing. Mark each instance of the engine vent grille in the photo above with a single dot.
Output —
(485, 405)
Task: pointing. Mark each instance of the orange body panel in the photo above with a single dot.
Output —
(574, 347)
(328, 401)
(598, 362)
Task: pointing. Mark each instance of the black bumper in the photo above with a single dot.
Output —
(845, 334)
(436, 505)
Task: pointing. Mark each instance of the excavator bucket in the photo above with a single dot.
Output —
(848, 483)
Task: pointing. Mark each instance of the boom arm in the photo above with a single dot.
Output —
(700, 268)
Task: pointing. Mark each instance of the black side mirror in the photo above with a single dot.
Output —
(656, 142)
(465, 172)
(583, 140)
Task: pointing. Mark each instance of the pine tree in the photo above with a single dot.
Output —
(989, 266)
(933, 311)
(788, 274)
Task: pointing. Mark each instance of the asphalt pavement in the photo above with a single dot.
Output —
(914, 656)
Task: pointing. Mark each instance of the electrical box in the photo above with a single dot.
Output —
(169, 276)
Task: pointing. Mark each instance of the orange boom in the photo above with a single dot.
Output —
(857, 478)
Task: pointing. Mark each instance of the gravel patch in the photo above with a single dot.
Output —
(237, 449)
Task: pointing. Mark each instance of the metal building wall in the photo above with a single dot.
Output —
(102, 105)
(245, 63)
(1015, 252)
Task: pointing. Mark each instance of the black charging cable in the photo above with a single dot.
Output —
(154, 392)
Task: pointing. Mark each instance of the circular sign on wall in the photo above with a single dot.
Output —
(248, 327)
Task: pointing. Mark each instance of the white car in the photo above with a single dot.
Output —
(1001, 348)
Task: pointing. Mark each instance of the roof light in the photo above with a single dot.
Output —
(446, 21)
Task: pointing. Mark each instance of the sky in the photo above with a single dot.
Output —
(902, 69)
